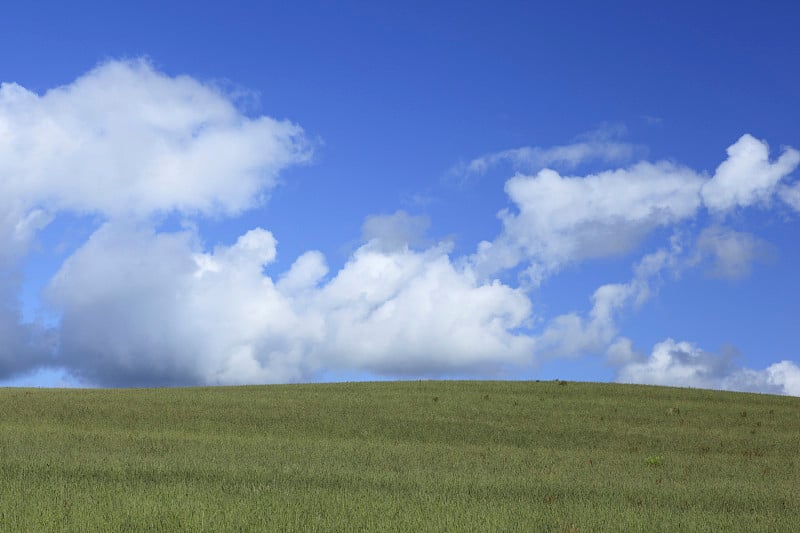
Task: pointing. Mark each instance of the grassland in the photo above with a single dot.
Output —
(408, 456)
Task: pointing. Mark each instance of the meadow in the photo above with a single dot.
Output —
(402, 456)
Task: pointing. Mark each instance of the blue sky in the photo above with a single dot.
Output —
(202, 193)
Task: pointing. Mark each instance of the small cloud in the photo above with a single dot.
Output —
(397, 231)
(651, 120)
(747, 176)
(683, 364)
(731, 253)
(600, 145)
(791, 196)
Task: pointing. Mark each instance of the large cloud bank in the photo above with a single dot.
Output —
(142, 306)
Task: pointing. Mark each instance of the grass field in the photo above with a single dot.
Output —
(407, 456)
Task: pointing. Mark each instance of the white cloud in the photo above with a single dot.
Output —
(144, 307)
(125, 139)
(140, 307)
(684, 364)
(747, 176)
(560, 220)
(416, 313)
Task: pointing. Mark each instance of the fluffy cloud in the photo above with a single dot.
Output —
(145, 307)
(747, 176)
(683, 364)
(416, 313)
(559, 220)
(125, 139)
(148, 308)
(127, 142)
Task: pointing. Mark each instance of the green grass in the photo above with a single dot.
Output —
(408, 456)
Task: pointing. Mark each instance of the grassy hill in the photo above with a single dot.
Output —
(408, 456)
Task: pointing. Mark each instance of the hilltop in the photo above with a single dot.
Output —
(421, 455)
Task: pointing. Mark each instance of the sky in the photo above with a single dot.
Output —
(205, 193)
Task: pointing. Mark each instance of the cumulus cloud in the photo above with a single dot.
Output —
(416, 313)
(125, 139)
(559, 220)
(683, 364)
(147, 308)
(747, 176)
(126, 142)
(139, 306)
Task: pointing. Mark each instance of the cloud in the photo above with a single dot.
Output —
(392, 232)
(139, 306)
(747, 176)
(126, 142)
(573, 335)
(791, 195)
(732, 253)
(599, 145)
(24, 347)
(146, 308)
(683, 364)
(416, 313)
(561, 220)
(558, 220)
(125, 139)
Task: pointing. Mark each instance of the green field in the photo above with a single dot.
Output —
(407, 456)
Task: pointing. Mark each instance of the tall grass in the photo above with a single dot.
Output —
(411, 456)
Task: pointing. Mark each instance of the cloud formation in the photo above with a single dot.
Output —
(732, 253)
(747, 176)
(559, 220)
(562, 220)
(154, 308)
(127, 140)
(684, 364)
(143, 306)
(601, 145)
